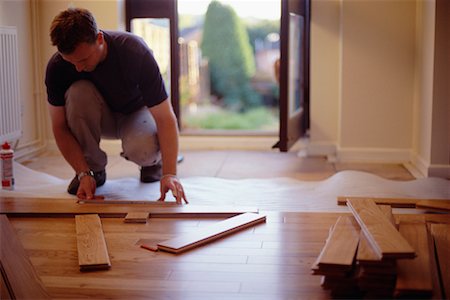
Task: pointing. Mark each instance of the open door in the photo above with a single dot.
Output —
(294, 72)
(161, 12)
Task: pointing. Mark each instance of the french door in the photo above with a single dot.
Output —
(294, 60)
(294, 72)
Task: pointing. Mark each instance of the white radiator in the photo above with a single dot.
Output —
(10, 107)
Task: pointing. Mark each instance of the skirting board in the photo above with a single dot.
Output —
(428, 170)
(320, 149)
(373, 155)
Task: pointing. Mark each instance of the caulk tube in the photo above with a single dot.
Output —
(7, 171)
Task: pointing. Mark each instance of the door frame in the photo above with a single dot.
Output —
(293, 126)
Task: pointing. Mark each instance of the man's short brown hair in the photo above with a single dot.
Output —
(72, 27)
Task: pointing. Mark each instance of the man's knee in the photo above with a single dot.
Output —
(141, 148)
(82, 100)
(80, 91)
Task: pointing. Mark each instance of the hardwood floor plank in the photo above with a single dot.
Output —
(91, 244)
(46, 207)
(393, 202)
(414, 278)
(136, 217)
(340, 248)
(365, 252)
(382, 235)
(17, 269)
(438, 205)
(210, 233)
(441, 237)
(6, 291)
(270, 264)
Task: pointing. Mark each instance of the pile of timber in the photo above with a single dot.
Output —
(367, 255)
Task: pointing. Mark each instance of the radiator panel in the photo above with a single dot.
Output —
(10, 106)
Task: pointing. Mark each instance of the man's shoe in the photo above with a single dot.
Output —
(151, 173)
(100, 178)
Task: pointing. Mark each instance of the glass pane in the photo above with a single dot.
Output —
(228, 51)
(156, 33)
(296, 24)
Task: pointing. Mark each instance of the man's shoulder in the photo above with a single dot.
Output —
(57, 63)
(124, 39)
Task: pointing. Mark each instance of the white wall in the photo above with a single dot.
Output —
(375, 96)
(325, 76)
(362, 79)
(19, 14)
(377, 75)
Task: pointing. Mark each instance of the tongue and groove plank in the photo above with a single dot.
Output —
(211, 233)
(383, 237)
(365, 252)
(340, 248)
(19, 276)
(47, 207)
(393, 202)
(414, 276)
(136, 217)
(439, 205)
(441, 237)
(91, 244)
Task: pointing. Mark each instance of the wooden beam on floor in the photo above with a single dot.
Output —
(91, 244)
(46, 207)
(441, 237)
(19, 275)
(210, 233)
(136, 217)
(340, 248)
(393, 202)
(438, 205)
(414, 278)
(365, 251)
(381, 234)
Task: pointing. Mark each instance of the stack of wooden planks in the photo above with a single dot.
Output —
(367, 256)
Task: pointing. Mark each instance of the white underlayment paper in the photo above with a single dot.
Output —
(275, 194)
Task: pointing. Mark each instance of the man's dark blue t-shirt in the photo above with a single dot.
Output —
(128, 78)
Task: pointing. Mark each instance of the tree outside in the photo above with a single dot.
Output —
(231, 61)
(235, 66)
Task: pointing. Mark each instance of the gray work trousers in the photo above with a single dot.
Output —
(90, 119)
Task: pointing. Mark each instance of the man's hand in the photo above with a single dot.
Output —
(171, 182)
(86, 190)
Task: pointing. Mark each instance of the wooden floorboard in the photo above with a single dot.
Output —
(17, 269)
(340, 248)
(438, 205)
(45, 207)
(414, 276)
(136, 217)
(91, 244)
(205, 235)
(441, 237)
(393, 202)
(269, 261)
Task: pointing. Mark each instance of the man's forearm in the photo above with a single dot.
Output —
(168, 143)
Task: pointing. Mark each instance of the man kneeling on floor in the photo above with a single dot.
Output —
(108, 84)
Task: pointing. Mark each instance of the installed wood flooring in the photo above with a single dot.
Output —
(231, 164)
